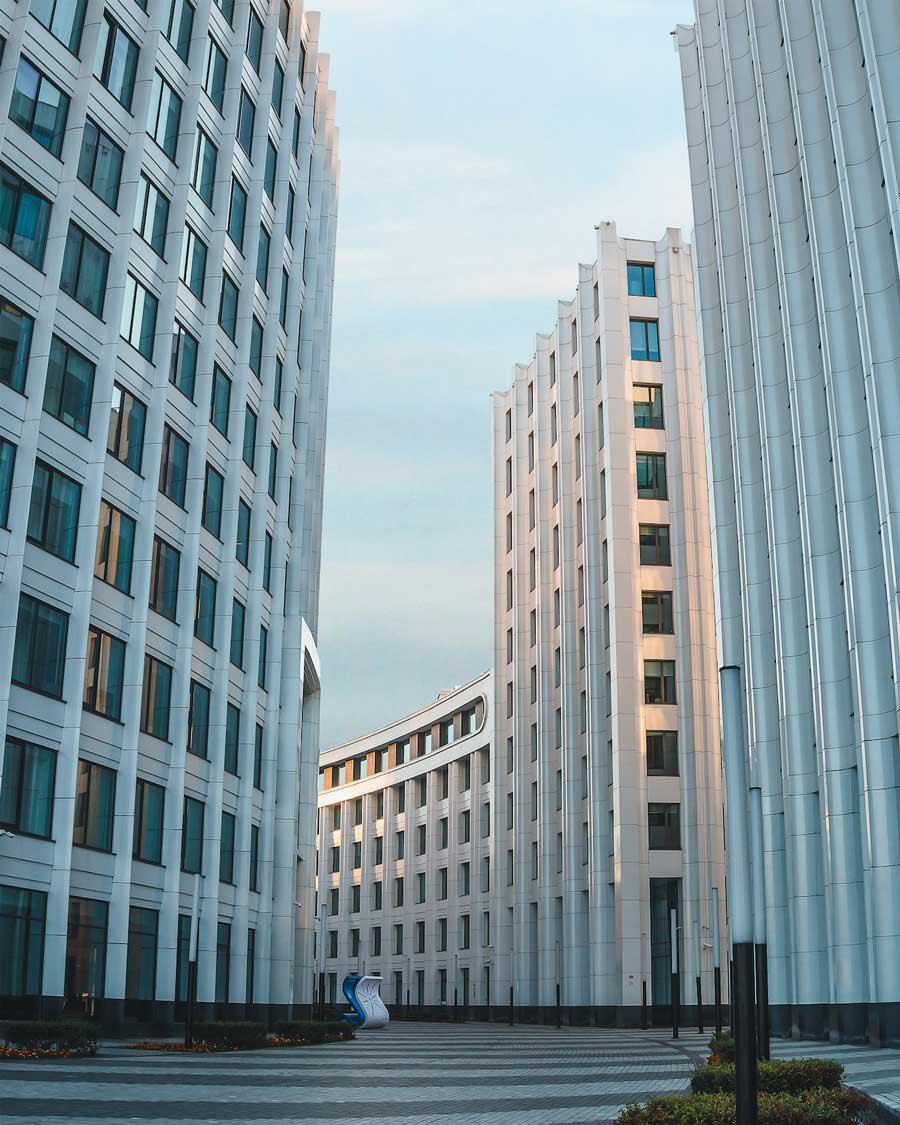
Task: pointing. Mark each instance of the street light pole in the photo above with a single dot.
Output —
(455, 987)
(717, 959)
(673, 939)
(699, 949)
(759, 923)
(323, 914)
(558, 989)
(740, 914)
(193, 942)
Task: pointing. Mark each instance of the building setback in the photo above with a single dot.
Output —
(607, 781)
(168, 187)
(406, 870)
(792, 116)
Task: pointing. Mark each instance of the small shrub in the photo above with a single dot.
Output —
(782, 1076)
(74, 1037)
(314, 1031)
(231, 1034)
(813, 1107)
(721, 1048)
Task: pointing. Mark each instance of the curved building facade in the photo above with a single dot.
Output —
(608, 778)
(168, 186)
(793, 119)
(406, 845)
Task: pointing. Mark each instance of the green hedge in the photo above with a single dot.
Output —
(314, 1031)
(73, 1036)
(722, 1046)
(813, 1107)
(231, 1033)
(784, 1076)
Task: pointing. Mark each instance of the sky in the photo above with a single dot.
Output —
(480, 143)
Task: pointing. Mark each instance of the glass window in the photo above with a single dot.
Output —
(228, 302)
(242, 550)
(249, 449)
(655, 548)
(258, 757)
(226, 849)
(95, 802)
(126, 428)
(284, 18)
(220, 403)
(277, 88)
(238, 613)
(104, 674)
(157, 696)
(84, 270)
(54, 510)
(213, 489)
(140, 965)
(645, 339)
(256, 347)
(149, 805)
(254, 857)
(295, 138)
(26, 794)
(254, 39)
(656, 611)
(276, 390)
(659, 681)
(86, 946)
(63, 18)
(246, 118)
(22, 919)
(204, 173)
(205, 609)
(173, 466)
(267, 563)
(193, 262)
(214, 74)
(100, 164)
(237, 214)
(164, 570)
(7, 466)
(232, 738)
(273, 468)
(651, 476)
(283, 302)
(39, 107)
(180, 26)
(69, 389)
(183, 368)
(262, 258)
(648, 407)
(226, 7)
(139, 311)
(270, 169)
(198, 720)
(117, 58)
(641, 280)
(24, 218)
(662, 753)
(664, 827)
(223, 957)
(263, 656)
(192, 837)
(151, 217)
(115, 547)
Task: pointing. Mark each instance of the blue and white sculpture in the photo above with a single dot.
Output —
(364, 997)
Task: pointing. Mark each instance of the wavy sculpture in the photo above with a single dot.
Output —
(364, 997)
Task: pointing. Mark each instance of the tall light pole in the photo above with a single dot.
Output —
(740, 913)
(323, 914)
(673, 941)
(717, 959)
(193, 943)
(558, 988)
(759, 924)
(698, 946)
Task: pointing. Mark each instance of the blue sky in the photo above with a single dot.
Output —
(480, 143)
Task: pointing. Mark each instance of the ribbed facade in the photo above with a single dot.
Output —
(168, 176)
(793, 118)
(607, 781)
(406, 858)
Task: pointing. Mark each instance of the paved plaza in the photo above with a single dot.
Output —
(418, 1074)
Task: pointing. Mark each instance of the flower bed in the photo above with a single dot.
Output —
(48, 1039)
(246, 1036)
(791, 1092)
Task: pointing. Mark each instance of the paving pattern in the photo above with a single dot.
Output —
(408, 1074)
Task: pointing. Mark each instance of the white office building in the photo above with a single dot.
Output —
(607, 780)
(168, 195)
(406, 848)
(793, 118)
